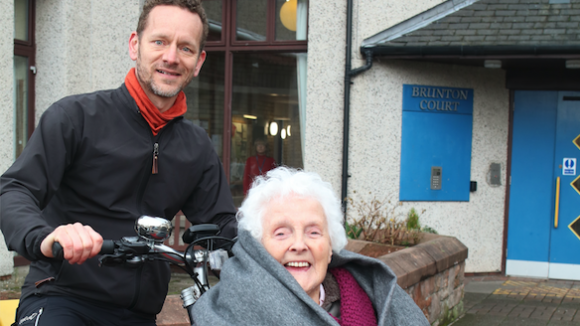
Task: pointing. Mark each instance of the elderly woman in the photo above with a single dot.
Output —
(289, 267)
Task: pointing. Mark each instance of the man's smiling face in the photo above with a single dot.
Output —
(167, 51)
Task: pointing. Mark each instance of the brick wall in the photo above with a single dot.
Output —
(440, 296)
(432, 273)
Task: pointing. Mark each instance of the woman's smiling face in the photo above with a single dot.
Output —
(295, 233)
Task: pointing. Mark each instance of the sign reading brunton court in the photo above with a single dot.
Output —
(437, 99)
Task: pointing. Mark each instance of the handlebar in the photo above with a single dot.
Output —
(132, 252)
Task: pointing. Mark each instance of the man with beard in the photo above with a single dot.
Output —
(98, 161)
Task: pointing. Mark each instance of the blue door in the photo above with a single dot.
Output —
(564, 240)
(543, 239)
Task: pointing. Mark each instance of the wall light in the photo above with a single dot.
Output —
(573, 64)
(288, 14)
(273, 128)
(283, 133)
(252, 117)
(266, 128)
(288, 131)
(492, 64)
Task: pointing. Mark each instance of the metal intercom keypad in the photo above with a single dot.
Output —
(436, 177)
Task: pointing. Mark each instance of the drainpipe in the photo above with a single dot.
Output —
(349, 73)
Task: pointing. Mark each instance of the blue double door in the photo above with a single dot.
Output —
(544, 208)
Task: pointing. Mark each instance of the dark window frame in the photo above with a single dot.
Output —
(229, 46)
(28, 49)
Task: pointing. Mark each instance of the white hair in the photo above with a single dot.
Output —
(283, 182)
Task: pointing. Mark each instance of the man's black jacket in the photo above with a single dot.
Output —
(90, 161)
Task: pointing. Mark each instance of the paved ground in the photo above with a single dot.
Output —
(489, 301)
(499, 300)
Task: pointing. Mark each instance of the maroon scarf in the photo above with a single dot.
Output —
(356, 308)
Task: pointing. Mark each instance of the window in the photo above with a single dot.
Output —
(252, 86)
(24, 51)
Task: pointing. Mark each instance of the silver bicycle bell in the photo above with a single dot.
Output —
(153, 228)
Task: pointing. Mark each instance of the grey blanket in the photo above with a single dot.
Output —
(255, 289)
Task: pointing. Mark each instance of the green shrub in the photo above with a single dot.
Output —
(378, 221)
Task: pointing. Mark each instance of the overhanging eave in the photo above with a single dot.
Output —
(474, 51)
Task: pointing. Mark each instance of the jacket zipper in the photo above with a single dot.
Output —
(38, 317)
(155, 167)
(140, 193)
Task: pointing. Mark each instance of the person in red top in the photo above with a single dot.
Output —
(257, 165)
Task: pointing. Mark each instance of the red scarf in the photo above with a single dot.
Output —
(149, 111)
(355, 306)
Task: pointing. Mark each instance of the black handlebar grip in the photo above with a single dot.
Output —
(57, 251)
(108, 247)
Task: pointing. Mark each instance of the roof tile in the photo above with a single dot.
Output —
(492, 19)
(510, 31)
(478, 6)
(519, 38)
(458, 26)
(518, 7)
(465, 32)
(474, 38)
(484, 13)
(523, 25)
(567, 25)
(487, 32)
(561, 6)
(547, 12)
(471, 19)
(451, 38)
(544, 25)
(562, 18)
(554, 31)
(444, 32)
(479, 25)
(505, 12)
(501, 25)
(541, 37)
(515, 19)
(536, 18)
(532, 31)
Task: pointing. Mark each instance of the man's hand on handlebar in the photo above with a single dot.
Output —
(79, 242)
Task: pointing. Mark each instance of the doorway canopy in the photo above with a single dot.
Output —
(538, 40)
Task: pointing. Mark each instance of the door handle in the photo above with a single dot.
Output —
(557, 202)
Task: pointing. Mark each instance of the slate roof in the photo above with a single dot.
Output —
(485, 27)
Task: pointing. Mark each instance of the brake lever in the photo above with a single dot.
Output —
(128, 252)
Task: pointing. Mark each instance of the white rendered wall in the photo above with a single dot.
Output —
(7, 105)
(82, 46)
(326, 59)
(325, 89)
(376, 117)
